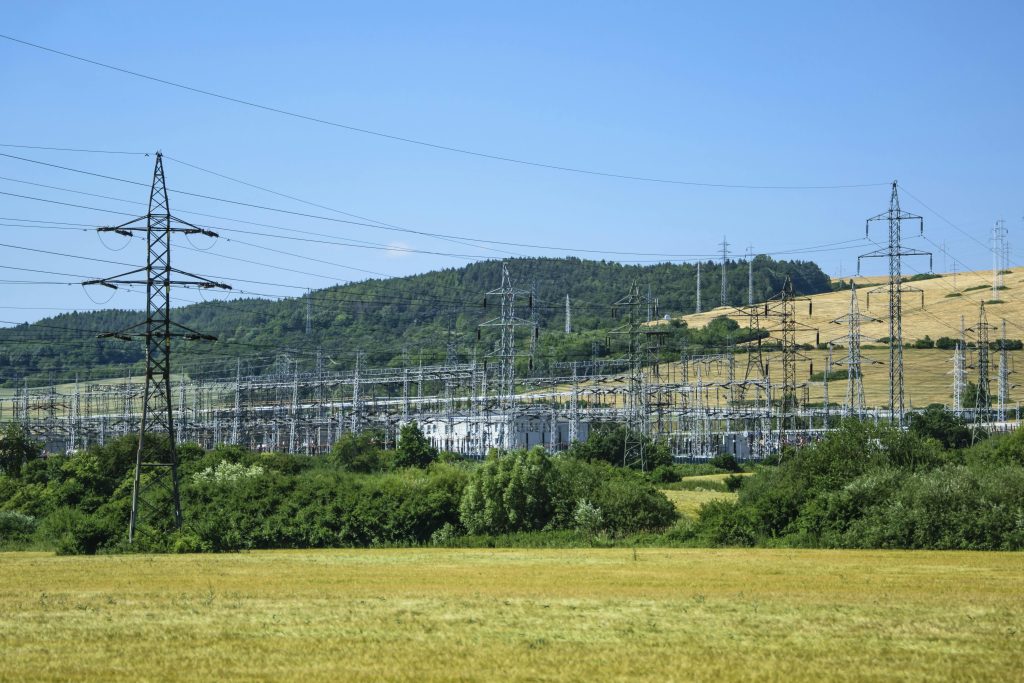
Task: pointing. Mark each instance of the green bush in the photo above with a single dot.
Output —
(15, 528)
(726, 462)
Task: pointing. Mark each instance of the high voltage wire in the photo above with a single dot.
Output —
(72, 149)
(423, 143)
(665, 257)
(468, 241)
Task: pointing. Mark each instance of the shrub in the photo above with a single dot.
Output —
(413, 448)
(665, 474)
(508, 494)
(727, 462)
(15, 527)
(588, 518)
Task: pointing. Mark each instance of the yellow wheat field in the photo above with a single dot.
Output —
(514, 615)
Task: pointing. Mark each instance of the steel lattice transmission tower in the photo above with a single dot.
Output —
(750, 276)
(981, 332)
(155, 485)
(725, 280)
(960, 370)
(698, 288)
(894, 252)
(634, 454)
(854, 361)
(1003, 385)
(506, 352)
(1000, 256)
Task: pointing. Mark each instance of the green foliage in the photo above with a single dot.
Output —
(607, 443)
(15, 528)
(385, 316)
(527, 490)
(878, 487)
(938, 423)
(726, 462)
(17, 448)
(358, 452)
(413, 448)
(664, 474)
(924, 343)
(509, 493)
(588, 518)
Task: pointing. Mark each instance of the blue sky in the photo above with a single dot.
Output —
(789, 93)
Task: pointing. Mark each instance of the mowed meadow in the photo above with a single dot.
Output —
(514, 615)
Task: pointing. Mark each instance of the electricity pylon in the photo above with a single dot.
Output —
(854, 362)
(634, 454)
(506, 353)
(155, 484)
(894, 252)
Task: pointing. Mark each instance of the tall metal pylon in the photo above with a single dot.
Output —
(1003, 382)
(894, 252)
(981, 334)
(960, 370)
(309, 312)
(634, 454)
(507, 324)
(156, 467)
(568, 316)
(750, 276)
(1000, 256)
(725, 283)
(698, 287)
(854, 361)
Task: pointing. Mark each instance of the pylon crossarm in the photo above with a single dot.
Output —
(115, 280)
(192, 229)
(198, 281)
(124, 227)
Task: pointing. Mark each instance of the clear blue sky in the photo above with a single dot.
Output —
(788, 93)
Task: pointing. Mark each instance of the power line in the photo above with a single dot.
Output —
(468, 241)
(423, 143)
(73, 149)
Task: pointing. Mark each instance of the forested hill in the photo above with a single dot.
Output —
(394, 320)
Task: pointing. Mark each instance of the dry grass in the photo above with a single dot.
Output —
(514, 615)
(689, 503)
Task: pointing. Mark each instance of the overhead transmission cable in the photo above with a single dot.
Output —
(423, 143)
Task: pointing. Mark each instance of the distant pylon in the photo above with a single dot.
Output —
(960, 370)
(725, 260)
(1003, 385)
(894, 252)
(698, 287)
(568, 316)
(750, 276)
(1000, 261)
(309, 312)
(157, 470)
(854, 362)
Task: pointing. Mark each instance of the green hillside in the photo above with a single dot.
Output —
(400, 319)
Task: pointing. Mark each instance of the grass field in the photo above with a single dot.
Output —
(514, 615)
(689, 502)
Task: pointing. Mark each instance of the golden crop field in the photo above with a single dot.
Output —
(514, 615)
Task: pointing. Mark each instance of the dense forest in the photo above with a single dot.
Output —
(401, 320)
